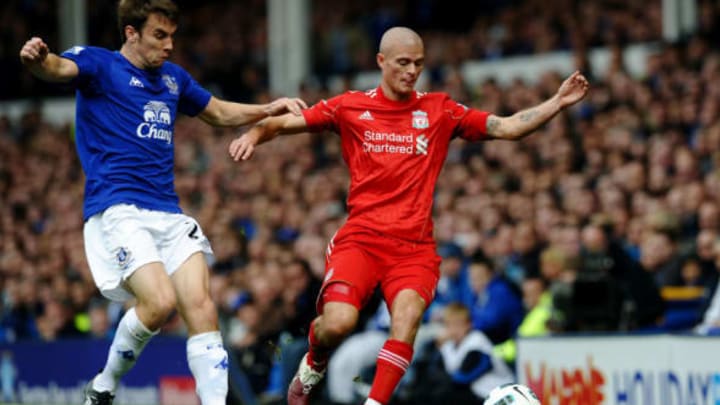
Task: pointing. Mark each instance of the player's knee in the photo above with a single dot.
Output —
(207, 308)
(340, 313)
(338, 321)
(158, 306)
(407, 316)
(407, 313)
(337, 325)
(200, 304)
(201, 317)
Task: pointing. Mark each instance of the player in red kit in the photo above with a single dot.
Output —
(394, 141)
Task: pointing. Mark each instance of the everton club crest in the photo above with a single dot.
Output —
(171, 84)
(420, 119)
(123, 257)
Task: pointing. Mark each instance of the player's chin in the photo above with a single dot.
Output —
(404, 88)
(159, 61)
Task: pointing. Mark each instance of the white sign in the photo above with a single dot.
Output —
(640, 370)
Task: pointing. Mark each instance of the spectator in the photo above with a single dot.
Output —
(100, 326)
(460, 366)
(537, 301)
(299, 307)
(524, 260)
(659, 259)
(453, 284)
(55, 321)
(497, 309)
(626, 283)
(556, 272)
(704, 252)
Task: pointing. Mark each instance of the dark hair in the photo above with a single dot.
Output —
(135, 13)
(479, 257)
(305, 265)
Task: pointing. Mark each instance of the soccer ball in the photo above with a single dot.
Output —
(512, 394)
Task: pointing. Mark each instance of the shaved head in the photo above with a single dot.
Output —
(401, 59)
(398, 37)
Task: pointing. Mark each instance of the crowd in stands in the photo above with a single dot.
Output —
(231, 58)
(607, 219)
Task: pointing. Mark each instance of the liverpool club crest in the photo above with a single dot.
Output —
(420, 119)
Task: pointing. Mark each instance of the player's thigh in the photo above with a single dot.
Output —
(117, 244)
(350, 276)
(417, 271)
(152, 288)
(186, 252)
(191, 283)
(181, 238)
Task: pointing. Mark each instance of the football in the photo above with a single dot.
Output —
(512, 394)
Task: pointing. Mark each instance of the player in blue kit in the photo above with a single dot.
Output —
(137, 241)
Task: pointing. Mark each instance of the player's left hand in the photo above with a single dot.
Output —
(243, 148)
(284, 105)
(573, 89)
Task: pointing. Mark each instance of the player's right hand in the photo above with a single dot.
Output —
(35, 50)
(242, 148)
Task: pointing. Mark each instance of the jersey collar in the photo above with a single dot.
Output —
(382, 97)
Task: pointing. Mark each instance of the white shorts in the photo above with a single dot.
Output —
(124, 237)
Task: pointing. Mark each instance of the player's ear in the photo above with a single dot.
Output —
(131, 34)
(380, 58)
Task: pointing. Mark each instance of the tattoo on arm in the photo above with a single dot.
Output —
(528, 115)
(492, 125)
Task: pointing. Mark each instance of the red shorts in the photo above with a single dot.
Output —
(361, 258)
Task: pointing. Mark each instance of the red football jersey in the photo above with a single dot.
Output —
(395, 151)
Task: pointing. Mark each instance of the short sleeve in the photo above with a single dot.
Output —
(193, 97)
(471, 123)
(323, 115)
(88, 60)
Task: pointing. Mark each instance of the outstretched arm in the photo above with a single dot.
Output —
(243, 147)
(522, 123)
(228, 114)
(45, 65)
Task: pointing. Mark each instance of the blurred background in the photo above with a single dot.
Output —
(605, 222)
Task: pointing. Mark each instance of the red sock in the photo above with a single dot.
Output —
(317, 355)
(393, 361)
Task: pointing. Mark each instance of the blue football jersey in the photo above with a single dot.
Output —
(125, 118)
